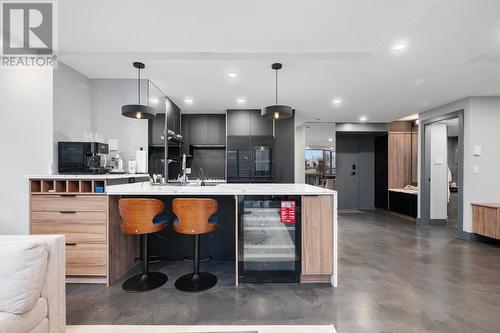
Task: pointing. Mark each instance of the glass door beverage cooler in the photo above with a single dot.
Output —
(269, 239)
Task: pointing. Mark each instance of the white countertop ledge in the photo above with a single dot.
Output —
(221, 189)
(89, 176)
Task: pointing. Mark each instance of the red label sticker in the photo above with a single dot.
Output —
(287, 212)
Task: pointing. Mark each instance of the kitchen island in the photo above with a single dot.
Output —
(98, 252)
(317, 222)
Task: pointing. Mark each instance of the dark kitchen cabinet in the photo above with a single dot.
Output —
(216, 127)
(403, 203)
(198, 130)
(259, 125)
(173, 116)
(248, 122)
(155, 130)
(203, 130)
(238, 122)
(284, 163)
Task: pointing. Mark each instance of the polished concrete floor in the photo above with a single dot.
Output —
(394, 277)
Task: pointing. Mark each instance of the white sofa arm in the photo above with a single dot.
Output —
(54, 287)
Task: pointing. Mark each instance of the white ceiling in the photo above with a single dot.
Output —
(329, 49)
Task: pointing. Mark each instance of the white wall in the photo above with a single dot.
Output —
(481, 119)
(300, 143)
(72, 107)
(108, 97)
(25, 141)
(439, 171)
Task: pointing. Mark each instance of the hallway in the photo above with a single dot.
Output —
(395, 277)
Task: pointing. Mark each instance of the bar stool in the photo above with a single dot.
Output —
(194, 218)
(137, 219)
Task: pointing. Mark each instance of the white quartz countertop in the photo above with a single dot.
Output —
(402, 190)
(222, 189)
(89, 176)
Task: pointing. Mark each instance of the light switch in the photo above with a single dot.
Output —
(476, 169)
(438, 161)
(476, 150)
(113, 144)
(188, 171)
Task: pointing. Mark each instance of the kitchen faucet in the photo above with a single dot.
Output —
(184, 175)
(202, 177)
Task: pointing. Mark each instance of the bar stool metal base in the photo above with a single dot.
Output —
(196, 282)
(144, 282)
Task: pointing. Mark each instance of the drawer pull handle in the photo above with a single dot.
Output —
(67, 212)
(70, 244)
(68, 195)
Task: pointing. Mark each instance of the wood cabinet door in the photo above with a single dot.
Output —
(317, 235)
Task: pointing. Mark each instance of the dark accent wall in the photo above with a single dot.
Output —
(284, 139)
(381, 171)
(213, 162)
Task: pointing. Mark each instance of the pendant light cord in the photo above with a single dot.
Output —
(139, 85)
(276, 87)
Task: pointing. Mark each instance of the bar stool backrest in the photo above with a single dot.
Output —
(137, 215)
(192, 215)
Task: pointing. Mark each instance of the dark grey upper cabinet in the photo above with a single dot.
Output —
(216, 127)
(248, 122)
(198, 130)
(260, 125)
(173, 116)
(203, 129)
(238, 122)
(185, 134)
(155, 130)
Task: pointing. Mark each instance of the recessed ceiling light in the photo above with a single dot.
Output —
(399, 47)
(188, 101)
(241, 100)
(154, 100)
(232, 75)
(330, 139)
(363, 118)
(337, 101)
(307, 147)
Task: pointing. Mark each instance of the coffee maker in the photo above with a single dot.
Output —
(82, 157)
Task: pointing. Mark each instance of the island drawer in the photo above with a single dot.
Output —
(68, 203)
(86, 259)
(78, 227)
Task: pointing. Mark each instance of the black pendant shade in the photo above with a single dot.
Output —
(138, 111)
(277, 111)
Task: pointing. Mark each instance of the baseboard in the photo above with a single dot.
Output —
(315, 278)
(403, 217)
(438, 221)
(470, 236)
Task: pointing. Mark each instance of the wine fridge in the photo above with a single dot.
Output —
(269, 239)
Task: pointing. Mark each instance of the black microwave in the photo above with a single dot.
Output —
(81, 157)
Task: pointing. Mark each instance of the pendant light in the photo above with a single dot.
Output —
(277, 111)
(138, 111)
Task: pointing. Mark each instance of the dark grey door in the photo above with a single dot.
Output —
(347, 172)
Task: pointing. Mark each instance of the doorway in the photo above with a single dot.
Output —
(355, 177)
(442, 142)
